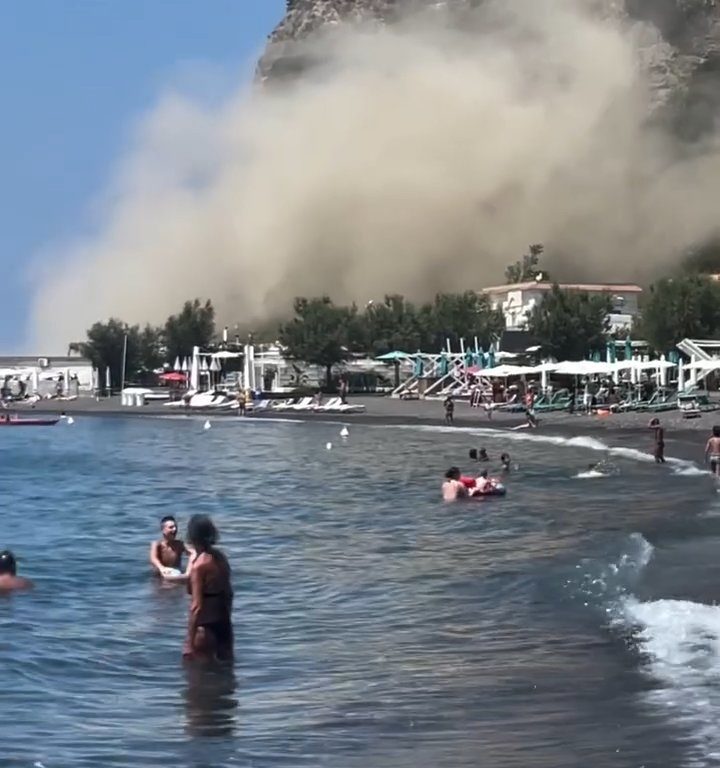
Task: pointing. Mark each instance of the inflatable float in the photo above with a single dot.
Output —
(497, 490)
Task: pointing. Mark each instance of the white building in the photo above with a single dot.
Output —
(517, 300)
(41, 374)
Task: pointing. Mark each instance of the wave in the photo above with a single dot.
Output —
(591, 474)
(679, 642)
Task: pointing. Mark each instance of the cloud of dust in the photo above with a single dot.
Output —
(418, 158)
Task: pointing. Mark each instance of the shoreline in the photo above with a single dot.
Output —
(630, 427)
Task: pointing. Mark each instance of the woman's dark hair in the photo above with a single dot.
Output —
(716, 431)
(453, 473)
(201, 532)
(483, 452)
(505, 457)
(473, 453)
(7, 563)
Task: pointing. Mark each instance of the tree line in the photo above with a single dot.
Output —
(566, 325)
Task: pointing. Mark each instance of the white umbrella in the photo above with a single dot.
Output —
(225, 355)
(215, 364)
(178, 365)
(195, 369)
(203, 365)
(186, 364)
(108, 380)
(663, 370)
(502, 371)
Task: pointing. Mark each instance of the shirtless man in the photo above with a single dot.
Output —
(9, 580)
(166, 554)
(712, 451)
(452, 488)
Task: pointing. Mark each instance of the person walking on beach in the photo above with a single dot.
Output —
(210, 630)
(659, 450)
(712, 451)
(449, 405)
(166, 554)
(9, 580)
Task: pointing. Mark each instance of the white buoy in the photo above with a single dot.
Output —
(70, 420)
(328, 446)
(344, 432)
(207, 424)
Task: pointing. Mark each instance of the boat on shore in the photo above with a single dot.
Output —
(6, 420)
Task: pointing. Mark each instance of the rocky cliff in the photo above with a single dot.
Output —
(679, 42)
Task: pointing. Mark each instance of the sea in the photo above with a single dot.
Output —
(571, 623)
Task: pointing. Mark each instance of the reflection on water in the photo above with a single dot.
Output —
(210, 700)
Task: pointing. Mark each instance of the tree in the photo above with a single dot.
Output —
(193, 326)
(396, 324)
(678, 308)
(569, 324)
(466, 315)
(104, 348)
(150, 349)
(319, 333)
(527, 268)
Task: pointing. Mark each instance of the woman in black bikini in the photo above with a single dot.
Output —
(210, 631)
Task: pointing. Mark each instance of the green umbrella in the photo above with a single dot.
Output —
(391, 357)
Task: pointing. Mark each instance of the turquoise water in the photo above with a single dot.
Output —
(567, 623)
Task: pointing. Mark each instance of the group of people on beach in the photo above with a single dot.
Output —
(458, 486)
(209, 582)
(207, 576)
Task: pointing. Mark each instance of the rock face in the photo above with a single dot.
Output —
(680, 43)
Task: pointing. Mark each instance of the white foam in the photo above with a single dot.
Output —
(590, 474)
(680, 641)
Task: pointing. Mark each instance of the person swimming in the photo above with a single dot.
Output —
(9, 580)
(505, 462)
(166, 554)
(478, 455)
(453, 487)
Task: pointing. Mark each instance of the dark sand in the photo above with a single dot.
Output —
(685, 438)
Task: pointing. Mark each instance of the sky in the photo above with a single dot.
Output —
(75, 77)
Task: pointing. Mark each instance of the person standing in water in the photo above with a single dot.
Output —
(453, 487)
(166, 554)
(9, 580)
(712, 451)
(210, 630)
(449, 405)
(659, 450)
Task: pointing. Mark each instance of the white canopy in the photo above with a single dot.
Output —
(501, 371)
(225, 355)
(704, 365)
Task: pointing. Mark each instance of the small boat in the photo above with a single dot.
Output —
(14, 421)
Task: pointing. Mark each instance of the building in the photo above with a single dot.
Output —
(41, 374)
(517, 300)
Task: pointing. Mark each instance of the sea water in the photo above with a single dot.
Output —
(569, 623)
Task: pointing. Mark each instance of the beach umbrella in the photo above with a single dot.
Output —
(195, 369)
(108, 381)
(395, 355)
(419, 369)
(215, 364)
(663, 371)
(610, 353)
(185, 364)
(673, 356)
(681, 376)
(203, 365)
(469, 358)
(491, 358)
(178, 364)
(628, 348)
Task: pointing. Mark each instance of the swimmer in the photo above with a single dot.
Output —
(505, 462)
(9, 580)
(453, 488)
(210, 629)
(166, 554)
(484, 484)
(479, 455)
(712, 451)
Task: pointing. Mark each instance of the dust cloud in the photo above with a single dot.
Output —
(414, 159)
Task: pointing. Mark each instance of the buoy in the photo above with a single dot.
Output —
(344, 432)
(70, 420)
(207, 425)
(328, 446)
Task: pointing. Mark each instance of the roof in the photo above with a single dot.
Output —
(546, 286)
(29, 361)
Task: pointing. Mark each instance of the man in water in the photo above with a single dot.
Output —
(483, 484)
(479, 455)
(712, 451)
(449, 405)
(505, 462)
(659, 451)
(453, 488)
(166, 554)
(9, 580)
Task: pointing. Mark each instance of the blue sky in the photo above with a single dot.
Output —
(75, 76)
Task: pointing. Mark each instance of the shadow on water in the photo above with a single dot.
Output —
(210, 701)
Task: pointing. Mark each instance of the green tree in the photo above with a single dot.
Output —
(193, 326)
(104, 348)
(678, 308)
(396, 324)
(319, 334)
(528, 267)
(466, 315)
(150, 350)
(569, 324)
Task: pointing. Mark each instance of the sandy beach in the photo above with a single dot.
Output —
(684, 437)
